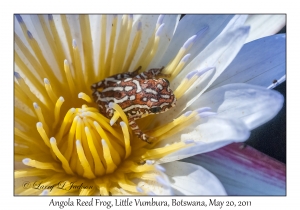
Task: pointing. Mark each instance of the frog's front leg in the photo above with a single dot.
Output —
(137, 131)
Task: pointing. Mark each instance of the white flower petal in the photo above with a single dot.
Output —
(148, 26)
(34, 27)
(258, 63)
(236, 22)
(171, 22)
(254, 105)
(188, 26)
(218, 54)
(264, 25)
(190, 179)
(209, 135)
(160, 187)
(244, 170)
(96, 22)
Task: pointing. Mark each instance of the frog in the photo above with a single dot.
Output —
(138, 94)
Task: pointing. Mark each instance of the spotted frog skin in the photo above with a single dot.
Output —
(139, 95)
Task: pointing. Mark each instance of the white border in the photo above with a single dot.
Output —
(152, 6)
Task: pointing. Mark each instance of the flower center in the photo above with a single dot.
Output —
(81, 142)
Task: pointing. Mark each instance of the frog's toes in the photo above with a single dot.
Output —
(147, 138)
(109, 112)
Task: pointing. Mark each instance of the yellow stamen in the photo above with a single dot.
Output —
(134, 47)
(191, 78)
(39, 54)
(179, 127)
(150, 176)
(124, 44)
(110, 165)
(126, 139)
(57, 41)
(99, 169)
(127, 185)
(85, 145)
(167, 127)
(142, 168)
(114, 118)
(184, 86)
(116, 56)
(79, 75)
(33, 78)
(99, 118)
(183, 50)
(49, 90)
(103, 186)
(67, 31)
(118, 109)
(85, 97)
(115, 150)
(102, 72)
(154, 47)
(58, 104)
(86, 191)
(32, 60)
(26, 91)
(37, 164)
(28, 139)
(145, 52)
(108, 61)
(22, 114)
(71, 135)
(161, 152)
(49, 38)
(22, 98)
(37, 51)
(40, 116)
(62, 159)
(84, 162)
(30, 172)
(87, 48)
(179, 67)
(69, 77)
(43, 134)
(66, 122)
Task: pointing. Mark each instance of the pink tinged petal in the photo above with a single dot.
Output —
(190, 179)
(207, 134)
(264, 25)
(254, 105)
(244, 170)
(260, 62)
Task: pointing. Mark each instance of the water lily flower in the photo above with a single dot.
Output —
(64, 146)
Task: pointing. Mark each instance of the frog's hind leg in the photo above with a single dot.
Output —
(152, 74)
(137, 131)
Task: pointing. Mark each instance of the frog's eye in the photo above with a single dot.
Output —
(155, 109)
(167, 81)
